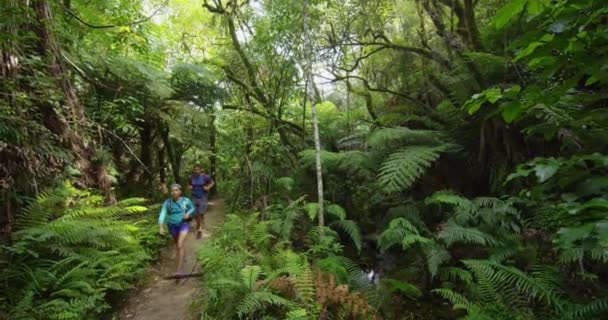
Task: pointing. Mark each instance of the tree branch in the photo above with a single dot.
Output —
(297, 129)
(94, 26)
(428, 54)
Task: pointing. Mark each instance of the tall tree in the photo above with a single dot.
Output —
(309, 87)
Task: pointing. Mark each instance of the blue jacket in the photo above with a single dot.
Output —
(177, 210)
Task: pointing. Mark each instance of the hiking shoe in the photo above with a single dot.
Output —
(199, 235)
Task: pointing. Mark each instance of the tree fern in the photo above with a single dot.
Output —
(454, 233)
(402, 168)
(397, 230)
(390, 138)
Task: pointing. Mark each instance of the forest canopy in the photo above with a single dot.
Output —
(381, 159)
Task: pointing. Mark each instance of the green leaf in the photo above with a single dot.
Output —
(528, 50)
(336, 211)
(312, 208)
(510, 10)
(493, 94)
(546, 170)
(510, 111)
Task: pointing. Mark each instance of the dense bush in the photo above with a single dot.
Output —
(67, 253)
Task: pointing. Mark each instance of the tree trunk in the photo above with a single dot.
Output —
(92, 173)
(145, 155)
(213, 149)
(173, 158)
(315, 123)
(162, 173)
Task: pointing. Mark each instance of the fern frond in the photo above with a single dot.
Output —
(455, 273)
(586, 311)
(449, 197)
(388, 138)
(335, 211)
(459, 301)
(394, 285)
(454, 233)
(397, 230)
(402, 168)
(258, 301)
(250, 276)
(436, 255)
(351, 228)
(499, 275)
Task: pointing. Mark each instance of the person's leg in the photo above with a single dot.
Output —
(180, 250)
(203, 210)
(198, 203)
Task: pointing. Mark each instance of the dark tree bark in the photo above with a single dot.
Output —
(93, 173)
(145, 155)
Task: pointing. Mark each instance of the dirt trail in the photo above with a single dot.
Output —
(164, 299)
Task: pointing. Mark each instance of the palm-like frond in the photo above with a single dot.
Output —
(351, 228)
(454, 233)
(260, 300)
(402, 168)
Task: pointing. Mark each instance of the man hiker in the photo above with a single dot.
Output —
(200, 184)
(179, 209)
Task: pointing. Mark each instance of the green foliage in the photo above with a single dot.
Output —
(402, 168)
(245, 277)
(67, 253)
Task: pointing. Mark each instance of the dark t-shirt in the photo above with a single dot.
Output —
(197, 183)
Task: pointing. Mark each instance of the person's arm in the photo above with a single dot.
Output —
(161, 218)
(210, 184)
(190, 183)
(189, 208)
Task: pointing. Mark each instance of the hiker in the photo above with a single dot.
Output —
(200, 184)
(179, 210)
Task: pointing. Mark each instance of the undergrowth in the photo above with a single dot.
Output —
(68, 253)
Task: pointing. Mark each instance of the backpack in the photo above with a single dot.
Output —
(170, 202)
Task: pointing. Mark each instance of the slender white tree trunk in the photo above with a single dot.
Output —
(313, 102)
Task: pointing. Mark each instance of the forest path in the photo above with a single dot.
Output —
(162, 299)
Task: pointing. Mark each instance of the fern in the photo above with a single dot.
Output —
(394, 285)
(250, 275)
(459, 301)
(67, 252)
(448, 197)
(436, 255)
(500, 275)
(388, 137)
(335, 211)
(455, 273)
(402, 168)
(397, 230)
(351, 228)
(258, 301)
(454, 233)
(585, 311)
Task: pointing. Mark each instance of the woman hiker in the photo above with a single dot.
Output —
(179, 209)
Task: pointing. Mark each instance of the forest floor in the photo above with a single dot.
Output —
(165, 299)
